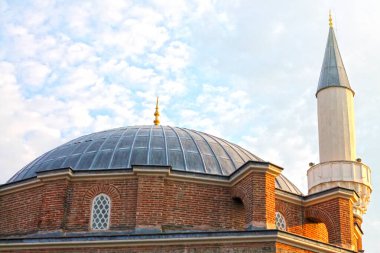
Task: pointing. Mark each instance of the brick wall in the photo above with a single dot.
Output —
(203, 248)
(264, 199)
(331, 221)
(202, 207)
(316, 230)
(53, 205)
(337, 215)
(216, 247)
(123, 194)
(150, 202)
(146, 202)
(292, 214)
(283, 248)
(20, 211)
(297, 224)
(257, 192)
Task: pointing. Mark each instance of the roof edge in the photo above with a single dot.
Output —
(69, 174)
(199, 237)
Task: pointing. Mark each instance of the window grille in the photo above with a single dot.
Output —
(101, 210)
(280, 221)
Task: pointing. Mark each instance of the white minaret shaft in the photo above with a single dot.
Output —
(335, 108)
(336, 125)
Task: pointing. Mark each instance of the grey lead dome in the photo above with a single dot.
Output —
(182, 149)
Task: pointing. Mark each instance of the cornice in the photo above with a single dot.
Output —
(23, 185)
(166, 171)
(289, 197)
(337, 192)
(257, 167)
(196, 238)
(316, 198)
(142, 170)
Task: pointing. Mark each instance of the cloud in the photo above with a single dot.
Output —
(278, 29)
(80, 52)
(34, 73)
(173, 11)
(22, 127)
(174, 58)
(22, 43)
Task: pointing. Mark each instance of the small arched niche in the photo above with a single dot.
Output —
(238, 214)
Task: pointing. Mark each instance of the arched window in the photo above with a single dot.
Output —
(280, 221)
(100, 214)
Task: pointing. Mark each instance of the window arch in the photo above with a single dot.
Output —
(101, 212)
(280, 221)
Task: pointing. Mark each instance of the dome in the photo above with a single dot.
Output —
(182, 149)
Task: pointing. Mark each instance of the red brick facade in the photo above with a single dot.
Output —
(159, 202)
(20, 212)
(257, 192)
(206, 248)
(337, 215)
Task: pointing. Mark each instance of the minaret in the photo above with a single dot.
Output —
(338, 165)
(335, 107)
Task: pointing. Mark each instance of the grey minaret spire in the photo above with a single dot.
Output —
(333, 73)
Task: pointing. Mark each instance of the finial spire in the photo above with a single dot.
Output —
(156, 115)
(330, 19)
(333, 73)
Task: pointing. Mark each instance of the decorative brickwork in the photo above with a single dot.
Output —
(114, 195)
(315, 215)
(123, 194)
(292, 214)
(110, 190)
(337, 215)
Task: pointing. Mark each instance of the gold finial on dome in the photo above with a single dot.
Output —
(330, 19)
(156, 115)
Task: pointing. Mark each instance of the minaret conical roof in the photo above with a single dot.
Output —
(333, 73)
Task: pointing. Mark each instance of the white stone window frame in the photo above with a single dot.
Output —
(109, 212)
(280, 222)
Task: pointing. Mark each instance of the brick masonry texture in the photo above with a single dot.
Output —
(283, 248)
(20, 212)
(157, 203)
(337, 215)
(205, 248)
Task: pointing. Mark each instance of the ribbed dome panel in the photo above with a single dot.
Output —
(181, 148)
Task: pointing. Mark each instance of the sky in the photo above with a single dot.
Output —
(243, 70)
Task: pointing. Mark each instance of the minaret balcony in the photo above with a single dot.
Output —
(347, 174)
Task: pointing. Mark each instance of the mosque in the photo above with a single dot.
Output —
(158, 188)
